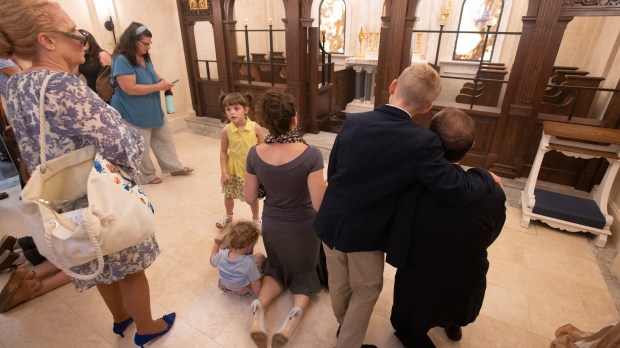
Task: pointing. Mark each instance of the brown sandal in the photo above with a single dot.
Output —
(6, 260)
(21, 288)
(6, 243)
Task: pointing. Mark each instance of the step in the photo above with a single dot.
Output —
(212, 127)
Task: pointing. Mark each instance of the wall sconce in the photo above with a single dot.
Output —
(109, 25)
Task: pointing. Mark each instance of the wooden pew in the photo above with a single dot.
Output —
(485, 93)
(561, 103)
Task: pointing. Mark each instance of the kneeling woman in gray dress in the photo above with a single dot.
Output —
(291, 173)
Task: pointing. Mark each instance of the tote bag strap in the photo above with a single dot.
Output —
(48, 235)
(42, 123)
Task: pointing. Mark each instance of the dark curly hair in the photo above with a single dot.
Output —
(276, 111)
(92, 55)
(242, 235)
(245, 100)
(127, 43)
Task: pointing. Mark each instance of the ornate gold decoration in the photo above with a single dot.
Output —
(197, 8)
(377, 35)
(361, 37)
(198, 5)
(445, 13)
(418, 40)
(417, 43)
(369, 41)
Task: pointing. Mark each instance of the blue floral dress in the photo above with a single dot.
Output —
(76, 118)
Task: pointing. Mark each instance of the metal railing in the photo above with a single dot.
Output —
(249, 63)
(481, 62)
(206, 61)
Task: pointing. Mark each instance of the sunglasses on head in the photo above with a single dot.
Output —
(81, 38)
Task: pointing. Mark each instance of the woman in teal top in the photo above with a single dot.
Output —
(137, 99)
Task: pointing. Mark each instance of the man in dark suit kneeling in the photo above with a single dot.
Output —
(444, 281)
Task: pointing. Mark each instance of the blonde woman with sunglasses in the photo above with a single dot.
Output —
(42, 32)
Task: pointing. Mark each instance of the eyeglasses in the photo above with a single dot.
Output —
(148, 44)
(83, 38)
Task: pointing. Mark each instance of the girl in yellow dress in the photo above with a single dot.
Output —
(238, 137)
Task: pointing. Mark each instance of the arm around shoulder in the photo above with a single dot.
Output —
(446, 180)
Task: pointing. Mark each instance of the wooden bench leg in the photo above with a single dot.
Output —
(600, 240)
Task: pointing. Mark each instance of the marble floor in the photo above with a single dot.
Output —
(539, 279)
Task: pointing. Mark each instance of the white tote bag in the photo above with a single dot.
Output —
(118, 213)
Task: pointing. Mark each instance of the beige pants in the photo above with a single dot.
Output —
(161, 141)
(355, 282)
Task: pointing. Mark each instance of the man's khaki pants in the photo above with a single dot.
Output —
(355, 282)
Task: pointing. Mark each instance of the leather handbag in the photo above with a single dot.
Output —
(118, 213)
(104, 87)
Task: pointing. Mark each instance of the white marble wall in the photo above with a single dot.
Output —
(592, 44)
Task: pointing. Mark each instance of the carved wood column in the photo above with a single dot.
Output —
(225, 42)
(296, 56)
(539, 45)
(189, 43)
(189, 46)
(395, 45)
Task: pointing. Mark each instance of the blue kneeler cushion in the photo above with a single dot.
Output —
(573, 209)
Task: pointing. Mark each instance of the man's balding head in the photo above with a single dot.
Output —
(457, 132)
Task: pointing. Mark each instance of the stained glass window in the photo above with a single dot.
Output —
(477, 15)
(332, 17)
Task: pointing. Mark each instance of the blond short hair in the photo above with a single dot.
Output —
(21, 21)
(242, 235)
(418, 86)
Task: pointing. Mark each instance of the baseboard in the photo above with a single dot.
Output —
(177, 122)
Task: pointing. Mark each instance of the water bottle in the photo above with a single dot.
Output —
(169, 101)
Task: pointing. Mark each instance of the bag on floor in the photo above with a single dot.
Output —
(89, 207)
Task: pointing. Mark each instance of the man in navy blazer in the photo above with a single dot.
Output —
(444, 279)
(376, 156)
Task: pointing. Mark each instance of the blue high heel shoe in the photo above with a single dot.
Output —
(119, 328)
(141, 340)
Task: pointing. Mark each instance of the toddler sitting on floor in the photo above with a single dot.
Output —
(238, 265)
